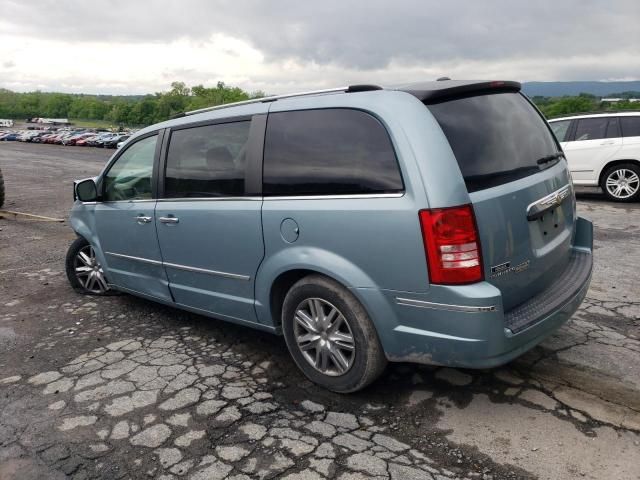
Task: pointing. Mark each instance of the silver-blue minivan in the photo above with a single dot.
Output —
(431, 223)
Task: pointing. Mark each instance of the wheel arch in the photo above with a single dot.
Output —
(612, 163)
(278, 274)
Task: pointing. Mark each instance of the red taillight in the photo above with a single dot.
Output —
(452, 245)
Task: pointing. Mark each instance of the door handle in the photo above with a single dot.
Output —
(610, 142)
(141, 219)
(169, 220)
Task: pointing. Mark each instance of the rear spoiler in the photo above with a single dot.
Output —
(436, 92)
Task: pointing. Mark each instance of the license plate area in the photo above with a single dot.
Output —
(547, 227)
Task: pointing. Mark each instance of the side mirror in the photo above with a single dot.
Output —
(86, 190)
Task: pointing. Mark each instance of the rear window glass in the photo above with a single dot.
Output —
(496, 138)
(328, 152)
(630, 126)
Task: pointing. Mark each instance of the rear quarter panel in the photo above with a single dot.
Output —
(365, 242)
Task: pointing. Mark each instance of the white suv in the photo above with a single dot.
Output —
(603, 150)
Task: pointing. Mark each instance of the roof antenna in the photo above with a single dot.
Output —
(442, 79)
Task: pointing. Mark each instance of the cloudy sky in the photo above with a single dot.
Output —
(128, 46)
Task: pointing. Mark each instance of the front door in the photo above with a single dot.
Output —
(125, 222)
(209, 228)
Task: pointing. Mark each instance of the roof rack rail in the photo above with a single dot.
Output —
(595, 112)
(273, 98)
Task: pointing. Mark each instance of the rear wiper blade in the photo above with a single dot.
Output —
(550, 158)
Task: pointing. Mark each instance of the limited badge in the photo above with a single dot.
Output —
(505, 268)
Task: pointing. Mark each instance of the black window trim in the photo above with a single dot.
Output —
(154, 172)
(618, 126)
(253, 173)
(400, 193)
(571, 133)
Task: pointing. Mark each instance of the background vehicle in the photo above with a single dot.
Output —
(10, 137)
(114, 141)
(74, 138)
(603, 150)
(84, 141)
(434, 223)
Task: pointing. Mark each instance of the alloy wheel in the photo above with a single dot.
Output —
(622, 183)
(89, 271)
(324, 337)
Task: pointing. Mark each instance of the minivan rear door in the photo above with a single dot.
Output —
(518, 184)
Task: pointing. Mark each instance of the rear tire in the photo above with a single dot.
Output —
(1, 190)
(621, 182)
(330, 335)
(84, 270)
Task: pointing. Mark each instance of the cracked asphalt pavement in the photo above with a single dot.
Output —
(119, 387)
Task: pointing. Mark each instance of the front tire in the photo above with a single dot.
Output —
(621, 183)
(330, 335)
(84, 271)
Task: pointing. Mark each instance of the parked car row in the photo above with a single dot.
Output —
(80, 138)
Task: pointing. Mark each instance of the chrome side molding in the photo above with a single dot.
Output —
(137, 259)
(410, 302)
(235, 276)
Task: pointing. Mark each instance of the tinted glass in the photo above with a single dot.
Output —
(129, 178)
(207, 161)
(496, 138)
(613, 128)
(560, 129)
(591, 128)
(328, 152)
(630, 126)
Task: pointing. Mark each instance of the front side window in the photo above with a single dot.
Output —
(591, 128)
(328, 152)
(208, 161)
(129, 178)
(630, 126)
(560, 129)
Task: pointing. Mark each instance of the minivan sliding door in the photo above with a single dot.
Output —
(209, 217)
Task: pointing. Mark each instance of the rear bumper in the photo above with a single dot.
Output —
(466, 326)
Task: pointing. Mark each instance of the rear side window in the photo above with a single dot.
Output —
(496, 138)
(591, 128)
(207, 161)
(630, 126)
(328, 152)
(613, 128)
(560, 129)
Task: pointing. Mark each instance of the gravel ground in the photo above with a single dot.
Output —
(119, 387)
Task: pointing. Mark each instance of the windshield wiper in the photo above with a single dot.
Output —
(550, 158)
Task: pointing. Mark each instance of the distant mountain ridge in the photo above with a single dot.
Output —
(559, 89)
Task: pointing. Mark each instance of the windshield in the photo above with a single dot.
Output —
(496, 138)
